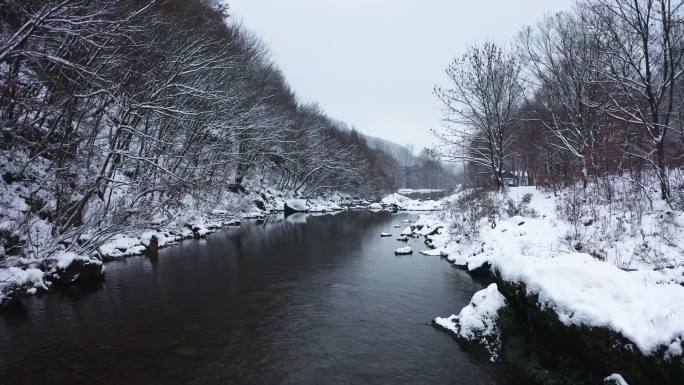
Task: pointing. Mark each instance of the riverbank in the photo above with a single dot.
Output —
(71, 264)
(60, 263)
(590, 286)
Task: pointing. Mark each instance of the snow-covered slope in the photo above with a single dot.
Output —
(582, 270)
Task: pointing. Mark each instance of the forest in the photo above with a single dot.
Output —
(113, 112)
(595, 94)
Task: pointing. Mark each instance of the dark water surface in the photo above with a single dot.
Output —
(314, 300)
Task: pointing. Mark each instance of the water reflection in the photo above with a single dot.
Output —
(306, 300)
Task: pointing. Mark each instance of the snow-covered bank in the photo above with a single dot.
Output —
(397, 201)
(404, 191)
(61, 268)
(32, 259)
(609, 276)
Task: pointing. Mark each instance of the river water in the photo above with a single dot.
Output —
(309, 300)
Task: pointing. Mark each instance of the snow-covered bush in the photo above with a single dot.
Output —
(468, 210)
(520, 208)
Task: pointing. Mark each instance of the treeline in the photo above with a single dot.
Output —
(117, 109)
(426, 171)
(593, 92)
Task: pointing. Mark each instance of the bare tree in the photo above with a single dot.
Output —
(561, 54)
(480, 104)
(642, 68)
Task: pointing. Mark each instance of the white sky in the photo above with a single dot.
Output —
(373, 63)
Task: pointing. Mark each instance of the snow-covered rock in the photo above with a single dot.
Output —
(375, 206)
(401, 202)
(614, 379)
(296, 206)
(383, 234)
(121, 246)
(433, 252)
(66, 267)
(477, 322)
(394, 199)
(403, 250)
(15, 281)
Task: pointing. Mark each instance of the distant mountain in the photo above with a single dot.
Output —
(397, 151)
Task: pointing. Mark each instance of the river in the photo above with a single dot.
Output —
(309, 300)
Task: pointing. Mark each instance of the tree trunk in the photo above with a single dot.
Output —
(662, 171)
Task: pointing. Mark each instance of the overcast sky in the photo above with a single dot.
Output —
(373, 63)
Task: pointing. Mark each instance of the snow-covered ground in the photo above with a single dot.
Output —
(594, 263)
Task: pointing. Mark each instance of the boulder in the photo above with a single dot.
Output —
(65, 268)
(16, 282)
(295, 206)
(260, 204)
(403, 251)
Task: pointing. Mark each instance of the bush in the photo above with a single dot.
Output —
(466, 213)
(513, 208)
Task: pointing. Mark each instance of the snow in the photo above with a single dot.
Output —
(675, 349)
(449, 323)
(164, 238)
(298, 204)
(615, 379)
(402, 202)
(121, 246)
(639, 301)
(433, 252)
(394, 198)
(584, 291)
(477, 322)
(404, 250)
(66, 258)
(405, 191)
(14, 278)
(383, 234)
(375, 206)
